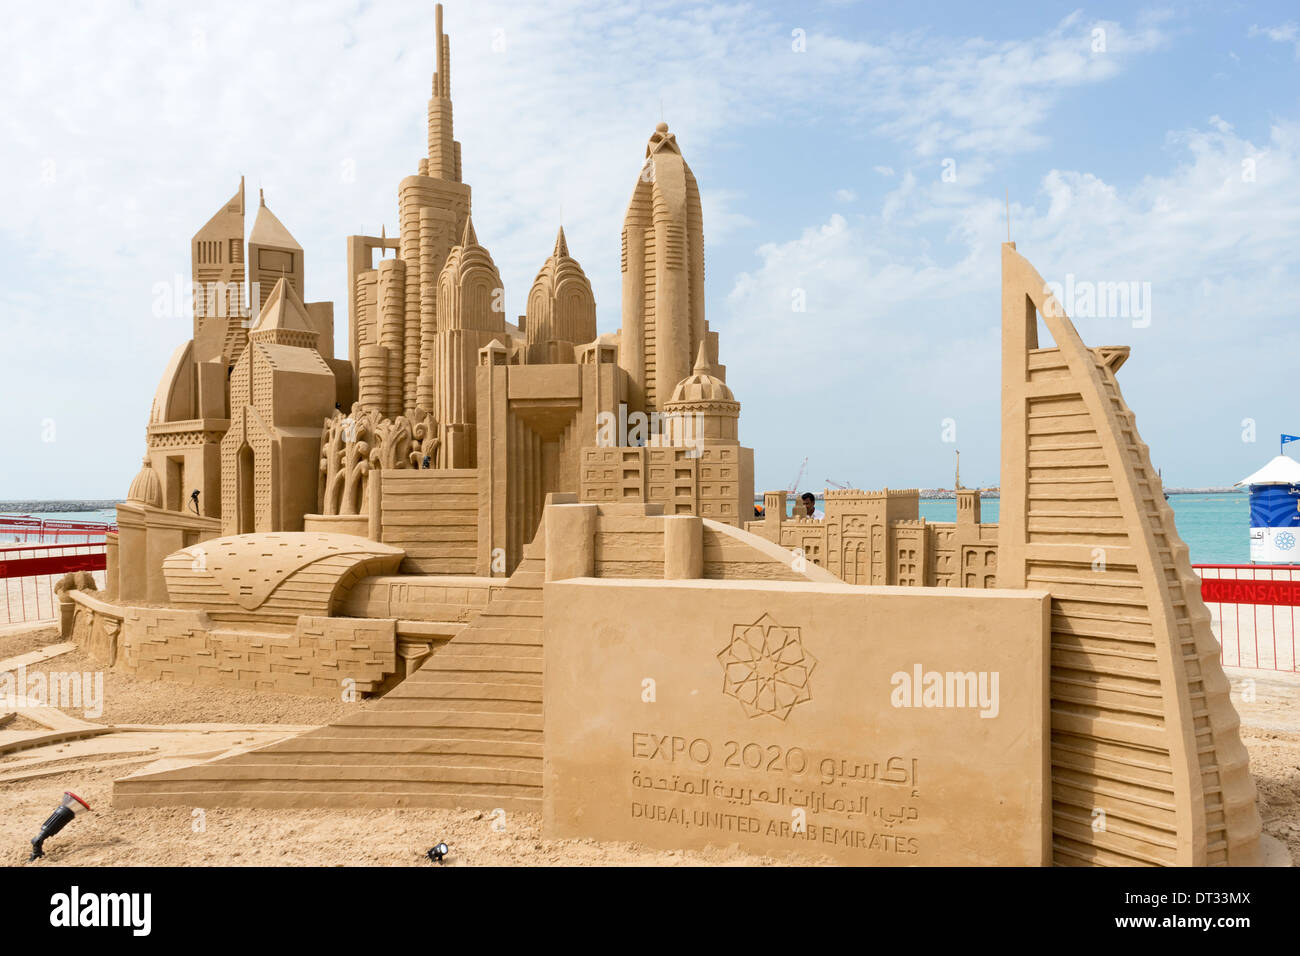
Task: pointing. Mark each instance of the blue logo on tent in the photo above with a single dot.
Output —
(1273, 506)
(1285, 541)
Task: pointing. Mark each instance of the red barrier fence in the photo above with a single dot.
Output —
(30, 528)
(28, 573)
(1253, 612)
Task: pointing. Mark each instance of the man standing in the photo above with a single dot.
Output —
(809, 502)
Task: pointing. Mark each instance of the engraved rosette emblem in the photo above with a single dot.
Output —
(766, 668)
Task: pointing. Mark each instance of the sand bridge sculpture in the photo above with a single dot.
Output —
(389, 523)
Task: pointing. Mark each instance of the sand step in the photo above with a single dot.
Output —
(487, 647)
(502, 622)
(444, 677)
(433, 766)
(524, 640)
(529, 599)
(494, 634)
(450, 720)
(480, 662)
(126, 794)
(487, 707)
(326, 779)
(473, 705)
(528, 581)
(528, 587)
(402, 732)
(454, 689)
(465, 730)
(525, 657)
(329, 800)
(468, 750)
(322, 775)
(480, 668)
(521, 698)
(514, 602)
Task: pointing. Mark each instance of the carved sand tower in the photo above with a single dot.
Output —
(1146, 763)
(281, 387)
(394, 306)
(561, 309)
(471, 318)
(273, 254)
(217, 270)
(663, 276)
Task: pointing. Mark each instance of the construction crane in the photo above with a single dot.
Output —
(838, 484)
(794, 485)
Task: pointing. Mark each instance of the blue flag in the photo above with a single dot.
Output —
(1287, 438)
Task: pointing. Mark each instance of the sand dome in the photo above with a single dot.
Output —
(146, 487)
(701, 385)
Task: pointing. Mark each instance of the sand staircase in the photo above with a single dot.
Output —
(1128, 635)
(463, 731)
(1227, 787)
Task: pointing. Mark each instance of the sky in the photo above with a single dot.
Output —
(858, 164)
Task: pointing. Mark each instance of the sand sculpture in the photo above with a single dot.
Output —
(535, 541)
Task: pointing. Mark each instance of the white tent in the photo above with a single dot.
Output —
(1282, 470)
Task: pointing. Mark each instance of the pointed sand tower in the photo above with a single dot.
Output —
(1144, 735)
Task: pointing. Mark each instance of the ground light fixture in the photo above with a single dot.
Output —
(438, 852)
(59, 819)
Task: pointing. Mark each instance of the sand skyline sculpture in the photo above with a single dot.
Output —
(433, 517)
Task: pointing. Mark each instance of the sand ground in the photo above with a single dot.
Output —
(33, 780)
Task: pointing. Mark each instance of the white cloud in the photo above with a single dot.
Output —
(914, 338)
(1288, 32)
(126, 126)
(991, 98)
(846, 195)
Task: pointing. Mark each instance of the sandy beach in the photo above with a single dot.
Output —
(33, 780)
(160, 720)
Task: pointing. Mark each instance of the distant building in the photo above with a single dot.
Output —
(878, 537)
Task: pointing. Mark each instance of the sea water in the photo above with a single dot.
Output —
(106, 515)
(1215, 527)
